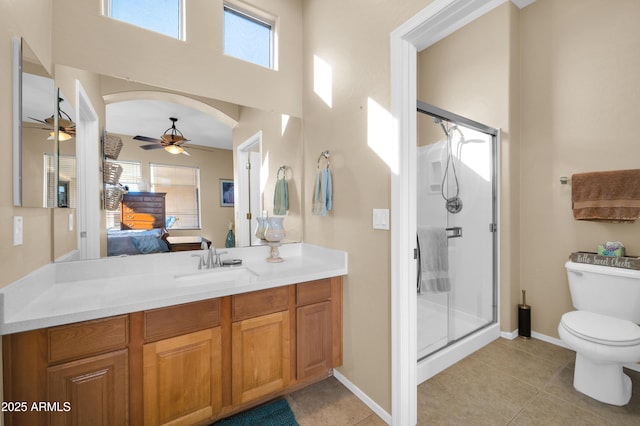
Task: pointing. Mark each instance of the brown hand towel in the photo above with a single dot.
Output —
(606, 196)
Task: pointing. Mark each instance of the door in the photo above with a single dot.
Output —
(456, 198)
(182, 382)
(261, 356)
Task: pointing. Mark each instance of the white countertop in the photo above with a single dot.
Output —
(63, 293)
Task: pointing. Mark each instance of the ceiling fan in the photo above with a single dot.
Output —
(66, 126)
(171, 140)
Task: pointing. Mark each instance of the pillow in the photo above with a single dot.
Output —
(170, 221)
(150, 244)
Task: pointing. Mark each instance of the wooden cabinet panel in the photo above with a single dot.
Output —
(261, 356)
(96, 390)
(256, 303)
(87, 338)
(313, 292)
(180, 319)
(182, 382)
(314, 340)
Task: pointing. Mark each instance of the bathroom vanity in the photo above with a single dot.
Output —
(242, 337)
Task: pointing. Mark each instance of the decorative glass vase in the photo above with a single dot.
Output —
(274, 234)
(262, 225)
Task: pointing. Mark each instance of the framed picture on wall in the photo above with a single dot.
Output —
(226, 192)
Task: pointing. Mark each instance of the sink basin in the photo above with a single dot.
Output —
(217, 275)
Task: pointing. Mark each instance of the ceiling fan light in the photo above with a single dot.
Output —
(62, 136)
(173, 149)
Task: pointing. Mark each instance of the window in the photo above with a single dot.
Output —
(182, 185)
(162, 16)
(248, 37)
(130, 177)
(66, 192)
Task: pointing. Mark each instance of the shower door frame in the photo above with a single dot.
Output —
(451, 117)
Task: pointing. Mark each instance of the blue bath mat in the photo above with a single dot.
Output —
(275, 413)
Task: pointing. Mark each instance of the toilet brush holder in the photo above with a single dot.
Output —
(524, 318)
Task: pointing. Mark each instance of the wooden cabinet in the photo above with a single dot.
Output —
(183, 378)
(260, 348)
(184, 364)
(90, 391)
(142, 210)
(76, 374)
(319, 343)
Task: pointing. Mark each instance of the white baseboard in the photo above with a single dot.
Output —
(557, 342)
(380, 412)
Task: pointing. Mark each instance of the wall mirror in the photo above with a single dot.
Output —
(139, 115)
(34, 130)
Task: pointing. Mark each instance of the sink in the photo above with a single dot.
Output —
(217, 275)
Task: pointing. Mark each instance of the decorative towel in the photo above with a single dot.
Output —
(612, 196)
(322, 193)
(434, 260)
(281, 197)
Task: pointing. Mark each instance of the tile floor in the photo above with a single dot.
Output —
(508, 382)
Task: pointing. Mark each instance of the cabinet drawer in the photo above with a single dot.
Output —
(313, 292)
(181, 319)
(87, 338)
(249, 305)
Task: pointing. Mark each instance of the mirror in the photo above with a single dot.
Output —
(127, 108)
(34, 147)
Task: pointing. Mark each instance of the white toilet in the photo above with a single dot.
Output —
(604, 330)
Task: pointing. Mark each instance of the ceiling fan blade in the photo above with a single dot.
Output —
(147, 139)
(146, 147)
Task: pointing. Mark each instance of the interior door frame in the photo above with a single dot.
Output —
(243, 189)
(438, 20)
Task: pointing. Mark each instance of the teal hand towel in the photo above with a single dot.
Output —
(322, 193)
(281, 198)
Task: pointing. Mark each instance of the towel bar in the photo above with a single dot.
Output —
(325, 155)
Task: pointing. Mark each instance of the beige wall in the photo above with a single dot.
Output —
(281, 146)
(196, 65)
(31, 19)
(474, 73)
(580, 106)
(353, 39)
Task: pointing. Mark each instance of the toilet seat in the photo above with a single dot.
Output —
(601, 329)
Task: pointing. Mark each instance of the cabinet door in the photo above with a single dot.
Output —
(183, 378)
(314, 342)
(90, 391)
(261, 356)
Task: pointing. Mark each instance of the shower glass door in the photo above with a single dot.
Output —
(456, 222)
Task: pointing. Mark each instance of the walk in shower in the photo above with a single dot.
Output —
(456, 284)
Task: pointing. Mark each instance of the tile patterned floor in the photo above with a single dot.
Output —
(508, 382)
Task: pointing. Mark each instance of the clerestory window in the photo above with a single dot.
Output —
(161, 16)
(248, 37)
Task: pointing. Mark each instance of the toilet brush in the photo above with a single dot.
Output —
(524, 318)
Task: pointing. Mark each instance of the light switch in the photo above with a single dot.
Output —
(381, 219)
(17, 230)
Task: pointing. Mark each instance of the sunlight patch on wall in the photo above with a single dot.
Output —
(380, 134)
(323, 80)
(285, 121)
(264, 173)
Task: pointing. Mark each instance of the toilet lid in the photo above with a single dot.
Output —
(601, 329)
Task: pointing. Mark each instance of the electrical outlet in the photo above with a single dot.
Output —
(17, 230)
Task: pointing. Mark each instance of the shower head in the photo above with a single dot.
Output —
(438, 120)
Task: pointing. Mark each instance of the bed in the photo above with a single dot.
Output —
(136, 241)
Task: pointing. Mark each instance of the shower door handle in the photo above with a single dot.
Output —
(456, 232)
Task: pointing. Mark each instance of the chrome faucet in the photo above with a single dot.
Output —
(213, 258)
(200, 260)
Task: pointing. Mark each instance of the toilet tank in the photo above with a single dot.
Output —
(605, 290)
